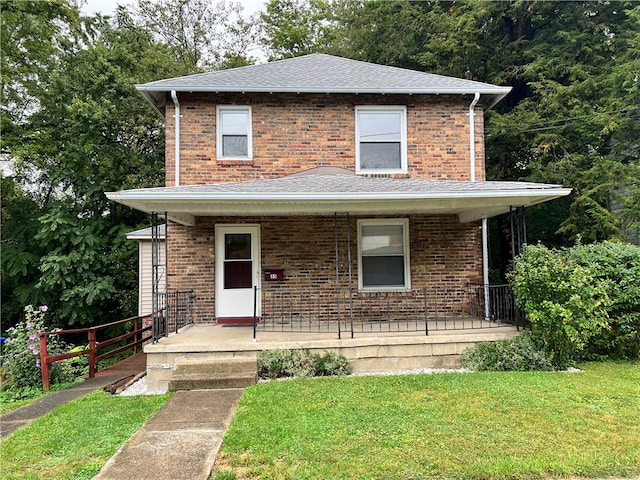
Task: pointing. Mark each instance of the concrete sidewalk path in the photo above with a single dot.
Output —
(11, 421)
(180, 442)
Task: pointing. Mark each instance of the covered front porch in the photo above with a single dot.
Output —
(332, 246)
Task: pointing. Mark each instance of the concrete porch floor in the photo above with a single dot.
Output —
(367, 352)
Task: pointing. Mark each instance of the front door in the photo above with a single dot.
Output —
(237, 272)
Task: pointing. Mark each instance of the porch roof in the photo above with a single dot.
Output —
(325, 193)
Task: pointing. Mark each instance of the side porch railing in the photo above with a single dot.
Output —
(419, 310)
(132, 340)
(175, 310)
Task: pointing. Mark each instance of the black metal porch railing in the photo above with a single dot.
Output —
(419, 310)
(502, 304)
(175, 310)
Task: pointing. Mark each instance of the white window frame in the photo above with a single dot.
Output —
(404, 222)
(220, 130)
(402, 109)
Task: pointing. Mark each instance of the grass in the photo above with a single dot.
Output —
(10, 400)
(509, 425)
(75, 440)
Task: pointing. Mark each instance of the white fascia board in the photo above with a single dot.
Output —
(147, 91)
(266, 89)
(142, 195)
(468, 206)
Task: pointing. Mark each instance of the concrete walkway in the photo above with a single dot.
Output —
(180, 442)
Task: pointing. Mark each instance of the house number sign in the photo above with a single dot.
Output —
(274, 275)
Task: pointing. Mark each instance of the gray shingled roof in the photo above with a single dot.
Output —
(320, 73)
(330, 185)
(322, 194)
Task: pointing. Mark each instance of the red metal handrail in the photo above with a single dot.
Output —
(94, 346)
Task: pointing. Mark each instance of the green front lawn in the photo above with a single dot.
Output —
(509, 425)
(74, 441)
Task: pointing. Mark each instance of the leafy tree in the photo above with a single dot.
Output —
(572, 116)
(92, 133)
(20, 259)
(202, 34)
(33, 37)
(291, 28)
(572, 123)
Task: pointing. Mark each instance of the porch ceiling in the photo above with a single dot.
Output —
(326, 194)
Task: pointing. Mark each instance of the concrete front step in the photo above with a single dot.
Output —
(199, 382)
(217, 366)
(213, 373)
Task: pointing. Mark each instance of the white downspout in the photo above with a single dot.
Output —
(472, 136)
(485, 267)
(485, 229)
(177, 137)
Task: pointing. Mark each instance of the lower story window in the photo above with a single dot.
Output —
(383, 254)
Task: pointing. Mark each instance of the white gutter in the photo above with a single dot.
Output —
(192, 194)
(492, 90)
(177, 137)
(154, 93)
(472, 136)
(485, 267)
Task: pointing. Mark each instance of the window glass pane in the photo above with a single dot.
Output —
(234, 145)
(234, 123)
(237, 246)
(382, 240)
(379, 126)
(380, 155)
(238, 274)
(383, 271)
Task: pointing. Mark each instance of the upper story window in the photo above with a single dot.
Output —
(383, 254)
(233, 132)
(381, 139)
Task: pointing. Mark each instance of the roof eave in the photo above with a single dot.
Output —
(155, 95)
(159, 195)
(469, 206)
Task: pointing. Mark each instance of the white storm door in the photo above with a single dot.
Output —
(237, 271)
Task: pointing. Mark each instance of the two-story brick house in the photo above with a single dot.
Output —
(312, 182)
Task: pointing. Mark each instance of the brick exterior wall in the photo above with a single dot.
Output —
(295, 132)
(444, 254)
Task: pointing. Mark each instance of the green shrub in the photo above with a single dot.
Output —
(331, 364)
(617, 267)
(298, 363)
(520, 353)
(285, 363)
(583, 301)
(562, 300)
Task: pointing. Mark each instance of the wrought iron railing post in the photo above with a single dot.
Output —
(350, 272)
(255, 312)
(426, 312)
(337, 246)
